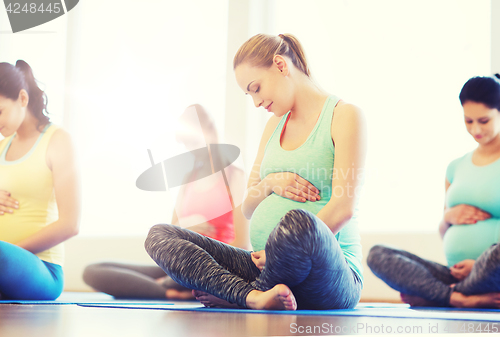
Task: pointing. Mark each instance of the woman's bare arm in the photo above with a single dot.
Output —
(61, 160)
(349, 136)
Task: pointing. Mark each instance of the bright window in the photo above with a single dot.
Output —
(137, 65)
(403, 63)
(118, 73)
(132, 69)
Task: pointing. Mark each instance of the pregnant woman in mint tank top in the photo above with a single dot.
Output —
(301, 197)
(471, 222)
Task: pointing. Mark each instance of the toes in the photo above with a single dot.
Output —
(285, 296)
(290, 303)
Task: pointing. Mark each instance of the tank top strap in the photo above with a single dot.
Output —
(321, 132)
(43, 144)
(274, 140)
(38, 150)
(325, 122)
(4, 143)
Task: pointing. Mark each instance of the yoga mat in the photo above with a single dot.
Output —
(90, 297)
(363, 309)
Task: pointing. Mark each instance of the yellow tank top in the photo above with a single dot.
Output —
(29, 181)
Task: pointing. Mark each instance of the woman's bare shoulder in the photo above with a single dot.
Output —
(61, 148)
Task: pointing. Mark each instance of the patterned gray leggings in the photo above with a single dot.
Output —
(301, 252)
(410, 274)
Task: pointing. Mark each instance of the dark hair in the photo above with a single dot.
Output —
(484, 90)
(15, 78)
(260, 50)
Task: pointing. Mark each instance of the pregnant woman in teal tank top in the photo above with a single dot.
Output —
(301, 197)
(471, 221)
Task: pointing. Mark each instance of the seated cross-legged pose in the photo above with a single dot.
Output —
(301, 197)
(39, 190)
(199, 206)
(471, 223)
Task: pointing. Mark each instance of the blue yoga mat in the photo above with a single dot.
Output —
(90, 297)
(363, 309)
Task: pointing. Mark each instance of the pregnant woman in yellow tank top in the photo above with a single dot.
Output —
(39, 193)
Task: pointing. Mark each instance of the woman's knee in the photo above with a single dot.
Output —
(88, 274)
(300, 229)
(490, 258)
(153, 236)
(11, 255)
(376, 255)
(297, 222)
(92, 273)
(159, 233)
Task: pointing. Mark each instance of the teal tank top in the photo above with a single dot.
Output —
(477, 186)
(313, 161)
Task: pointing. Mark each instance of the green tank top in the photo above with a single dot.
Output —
(477, 186)
(313, 161)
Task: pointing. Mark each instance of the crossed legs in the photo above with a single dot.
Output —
(303, 260)
(423, 282)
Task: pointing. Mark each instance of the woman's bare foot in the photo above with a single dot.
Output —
(212, 301)
(459, 300)
(280, 297)
(182, 295)
(416, 301)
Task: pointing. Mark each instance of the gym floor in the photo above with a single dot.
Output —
(17, 320)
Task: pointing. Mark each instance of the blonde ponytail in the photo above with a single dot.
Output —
(260, 50)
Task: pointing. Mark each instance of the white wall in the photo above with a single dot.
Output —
(128, 76)
(495, 36)
(403, 63)
(131, 75)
